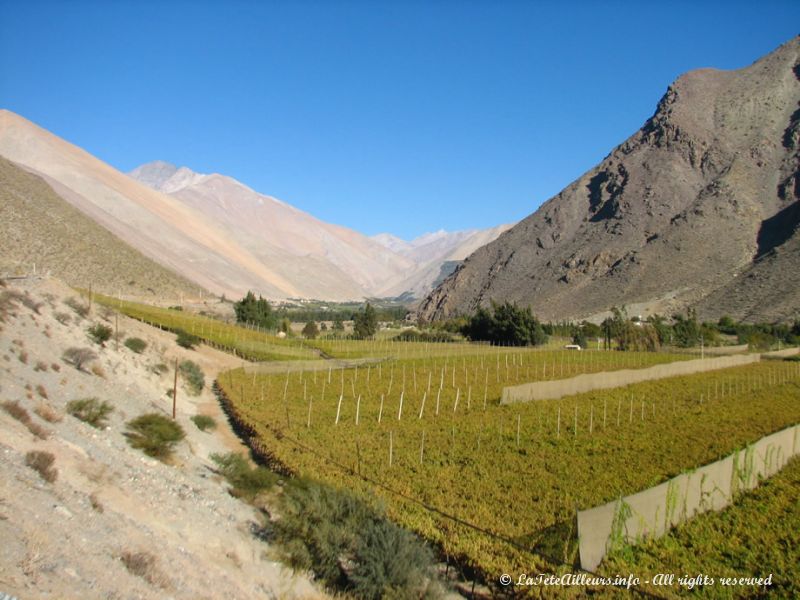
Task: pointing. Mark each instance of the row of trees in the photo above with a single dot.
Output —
(258, 312)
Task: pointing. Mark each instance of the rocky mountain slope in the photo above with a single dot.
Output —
(114, 523)
(698, 208)
(37, 227)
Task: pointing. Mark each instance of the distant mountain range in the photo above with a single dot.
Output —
(217, 232)
(699, 208)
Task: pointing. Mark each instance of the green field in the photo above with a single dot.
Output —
(498, 486)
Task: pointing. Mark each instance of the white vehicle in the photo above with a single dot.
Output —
(572, 347)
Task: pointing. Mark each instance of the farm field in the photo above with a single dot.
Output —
(758, 535)
(495, 486)
(248, 343)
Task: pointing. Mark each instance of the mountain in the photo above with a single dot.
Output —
(698, 208)
(321, 260)
(437, 255)
(37, 227)
(210, 229)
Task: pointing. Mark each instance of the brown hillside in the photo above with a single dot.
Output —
(38, 226)
(699, 207)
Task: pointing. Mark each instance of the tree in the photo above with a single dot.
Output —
(310, 331)
(508, 324)
(365, 322)
(338, 325)
(686, 329)
(255, 312)
(285, 326)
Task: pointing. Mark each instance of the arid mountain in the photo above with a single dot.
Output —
(436, 254)
(37, 227)
(698, 208)
(211, 229)
(321, 260)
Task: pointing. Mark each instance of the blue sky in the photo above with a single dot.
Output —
(404, 117)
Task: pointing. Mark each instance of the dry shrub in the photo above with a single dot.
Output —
(98, 370)
(143, 564)
(40, 366)
(48, 413)
(79, 356)
(95, 502)
(42, 463)
(56, 367)
(62, 317)
(17, 411)
(23, 357)
(40, 389)
(23, 416)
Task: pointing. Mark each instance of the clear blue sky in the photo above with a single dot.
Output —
(395, 116)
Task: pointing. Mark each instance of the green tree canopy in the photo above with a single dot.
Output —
(508, 324)
(365, 323)
(255, 312)
(311, 330)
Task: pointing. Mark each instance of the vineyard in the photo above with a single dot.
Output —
(757, 536)
(249, 343)
(498, 486)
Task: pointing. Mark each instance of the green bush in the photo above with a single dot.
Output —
(350, 545)
(154, 434)
(204, 422)
(193, 376)
(100, 333)
(247, 482)
(135, 344)
(91, 411)
(186, 340)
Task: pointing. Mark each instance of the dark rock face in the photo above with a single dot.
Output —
(699, 208)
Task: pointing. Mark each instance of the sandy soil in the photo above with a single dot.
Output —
(68, 538)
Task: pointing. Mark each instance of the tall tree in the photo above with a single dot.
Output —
(365, 322)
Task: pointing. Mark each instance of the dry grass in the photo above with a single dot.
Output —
(143, 564)
(48, 413)
(21, 414)
(42, 463)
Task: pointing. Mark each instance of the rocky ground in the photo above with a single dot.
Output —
(115, 523)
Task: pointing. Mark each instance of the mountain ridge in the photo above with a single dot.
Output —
(671, 215)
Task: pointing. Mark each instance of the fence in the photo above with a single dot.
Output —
(551, 390)
(652, 512)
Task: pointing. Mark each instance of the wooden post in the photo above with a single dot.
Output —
(558, 423)
(175, 391)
